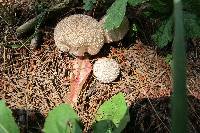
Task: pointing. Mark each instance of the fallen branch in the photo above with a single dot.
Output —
(28, 26)
(50, 13)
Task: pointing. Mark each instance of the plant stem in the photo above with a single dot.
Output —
(179, 98)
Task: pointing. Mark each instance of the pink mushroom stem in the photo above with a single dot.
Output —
(81, 71)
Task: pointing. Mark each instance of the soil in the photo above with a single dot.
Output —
(35, 80)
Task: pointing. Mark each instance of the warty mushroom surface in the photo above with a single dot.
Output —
(106, 70)
(78, 34)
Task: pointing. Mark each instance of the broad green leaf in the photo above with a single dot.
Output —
(191, 25)
(7, 122)
(62, 119)
(104, 126)
(115, 14)
(164, 33)
(136, 2)
(88, 4)
(112, 115)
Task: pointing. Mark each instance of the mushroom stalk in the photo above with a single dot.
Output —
(81, 69)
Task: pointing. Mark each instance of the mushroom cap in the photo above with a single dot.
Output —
(106, 70)
(78, 34)
(115, 34)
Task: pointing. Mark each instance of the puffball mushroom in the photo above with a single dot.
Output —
(106, 70)
(115, 34)
(78, 34)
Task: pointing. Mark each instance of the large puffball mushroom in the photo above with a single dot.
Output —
(115, 34)
(78, 34)
(106, 70)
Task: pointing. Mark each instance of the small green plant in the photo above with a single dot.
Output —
(162, 11)
(112, 116)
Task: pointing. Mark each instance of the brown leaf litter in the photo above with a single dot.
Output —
(38, 80)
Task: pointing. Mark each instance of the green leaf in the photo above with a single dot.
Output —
(112, 115)
(104, 126)
(7, 122)
(88, 4)
(62, 119)
(136, 2)
(191, 25)
(115, 14)
(164, 33)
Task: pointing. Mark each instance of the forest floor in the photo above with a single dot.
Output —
(34, 80)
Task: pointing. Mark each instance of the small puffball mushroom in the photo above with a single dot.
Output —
(115, 34)
(106, 70)
(78, 34)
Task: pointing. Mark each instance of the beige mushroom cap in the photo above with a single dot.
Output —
(115, 34)
(78, 34)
